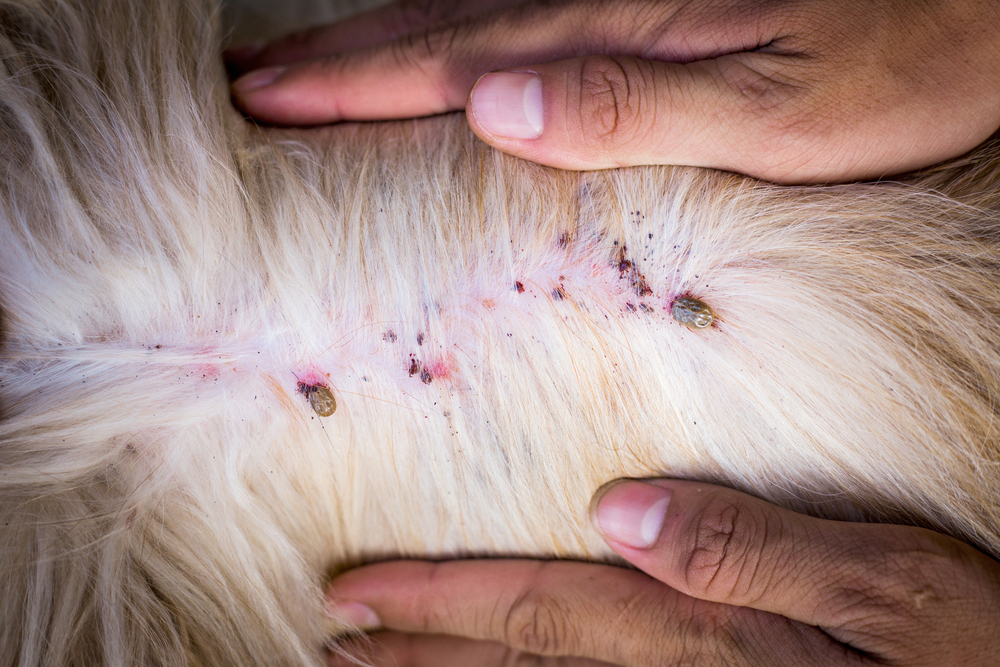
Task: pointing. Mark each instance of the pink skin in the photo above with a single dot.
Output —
(581, 274)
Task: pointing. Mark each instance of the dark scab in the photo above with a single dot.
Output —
(519, 286)
(630, 307)
(420, 339)
(628, 271)
(414, 366)
(564, 239)
(644, 308)
(389, 336)
(426, 377)
(559, 293)
(691, 312)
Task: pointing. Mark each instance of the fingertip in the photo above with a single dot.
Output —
(630, 512)
(356, 614)
(256, 80)
(507, 105)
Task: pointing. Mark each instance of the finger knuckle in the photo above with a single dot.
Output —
(419, 49)
(900, 578)
(410, 15)
(612, 93)
(724, 559)
(538, 624)
(924, 576)
(705, 637)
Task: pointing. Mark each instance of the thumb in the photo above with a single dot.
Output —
(733, 112)
(855, 580)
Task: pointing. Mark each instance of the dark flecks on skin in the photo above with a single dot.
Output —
(627, 270)
(559, 293)
(389, 336)
(564, 239)
(426, 377)
(519, 286)
(420, 339)
(414, 366)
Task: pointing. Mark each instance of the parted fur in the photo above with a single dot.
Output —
(497, 335)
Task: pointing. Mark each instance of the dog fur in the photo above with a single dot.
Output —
(497, 335)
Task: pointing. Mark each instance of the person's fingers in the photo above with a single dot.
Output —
(598, 112)
(888, 590)
(570, 609)
(376, 26)
(396, 649)
(432, 71)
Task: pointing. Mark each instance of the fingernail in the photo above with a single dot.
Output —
(257, 79)
(631, 513)
(354, 613)
(509, 104)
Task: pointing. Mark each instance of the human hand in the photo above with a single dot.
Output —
(730, 580)
(790, 90)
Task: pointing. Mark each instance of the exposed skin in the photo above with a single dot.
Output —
(729, 580)
(787, 90)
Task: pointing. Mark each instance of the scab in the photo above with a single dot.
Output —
(691, 312)
(322, 401)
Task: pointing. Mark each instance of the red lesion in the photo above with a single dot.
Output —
(311, 378)
(442, 367)
(207, 371)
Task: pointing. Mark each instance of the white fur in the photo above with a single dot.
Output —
(169, 273)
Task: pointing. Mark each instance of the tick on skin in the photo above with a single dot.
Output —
(691, 312)
(320, 398)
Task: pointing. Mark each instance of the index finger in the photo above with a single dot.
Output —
(559, 608)
(359, 31)
(432, 71)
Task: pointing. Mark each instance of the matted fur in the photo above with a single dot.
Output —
(169, 274)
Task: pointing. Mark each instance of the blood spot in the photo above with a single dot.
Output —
(627, 270)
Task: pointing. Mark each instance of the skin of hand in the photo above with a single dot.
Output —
(726, 579)
(791, 91)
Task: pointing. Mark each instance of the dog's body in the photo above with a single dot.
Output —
(500, 339)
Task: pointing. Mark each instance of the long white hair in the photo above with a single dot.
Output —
(183, 297)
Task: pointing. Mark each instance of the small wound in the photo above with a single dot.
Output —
(692, 313)
(627, 270)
